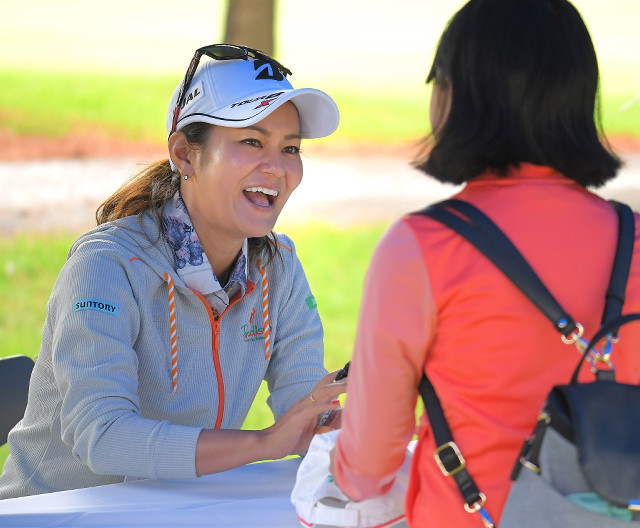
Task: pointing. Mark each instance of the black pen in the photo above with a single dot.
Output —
(342, 373)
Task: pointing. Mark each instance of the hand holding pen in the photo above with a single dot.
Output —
(323, 419)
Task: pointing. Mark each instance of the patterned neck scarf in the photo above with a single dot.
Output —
(191, 262)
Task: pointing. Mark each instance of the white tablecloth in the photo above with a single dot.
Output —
(256, 495)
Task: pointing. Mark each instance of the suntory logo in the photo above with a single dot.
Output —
(96, 304)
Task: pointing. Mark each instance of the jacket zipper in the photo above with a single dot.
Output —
(214, 321)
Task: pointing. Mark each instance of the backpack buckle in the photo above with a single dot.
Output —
(449, 459)
(574, 336)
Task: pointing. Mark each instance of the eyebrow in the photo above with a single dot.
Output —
(265, 132)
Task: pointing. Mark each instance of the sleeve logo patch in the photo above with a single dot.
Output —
(96, 304)
(311, 302)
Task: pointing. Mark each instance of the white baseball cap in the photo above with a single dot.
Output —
(239, 93)
(320, 503)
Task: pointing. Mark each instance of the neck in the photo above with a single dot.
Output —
(220, 246)
(221, 256)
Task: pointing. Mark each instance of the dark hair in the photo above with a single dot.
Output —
(522, 78)
(154, 186)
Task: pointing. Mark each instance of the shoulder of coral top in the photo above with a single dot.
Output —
(525, 171)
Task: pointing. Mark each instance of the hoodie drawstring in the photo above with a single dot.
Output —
(265, 310)
(174, 336)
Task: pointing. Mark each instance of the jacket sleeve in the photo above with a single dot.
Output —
(396, 326)
(96, 372)
(297, 361)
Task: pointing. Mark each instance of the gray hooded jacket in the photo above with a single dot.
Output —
(105, 400)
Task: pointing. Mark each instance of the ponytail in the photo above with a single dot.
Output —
(151, 188)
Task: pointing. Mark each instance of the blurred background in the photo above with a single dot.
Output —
(373, 51)
(84, 87)
(88, 80)
(336, 42)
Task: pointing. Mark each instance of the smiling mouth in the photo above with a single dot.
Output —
(260, 196)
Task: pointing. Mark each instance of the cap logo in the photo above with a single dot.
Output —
(265, 100)
(193, 95)
(267, 71)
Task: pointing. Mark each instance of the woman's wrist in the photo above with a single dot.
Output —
(222, 449)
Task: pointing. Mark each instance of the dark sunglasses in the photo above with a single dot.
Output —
(220, 52)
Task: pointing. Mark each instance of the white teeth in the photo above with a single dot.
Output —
(270, 192)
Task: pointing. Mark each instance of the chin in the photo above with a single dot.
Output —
(259, 232)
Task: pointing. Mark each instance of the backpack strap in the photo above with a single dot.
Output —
(486, 236)
(472, 224)
(448, 455)
(622, 264)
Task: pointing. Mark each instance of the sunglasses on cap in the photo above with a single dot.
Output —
(220, 52)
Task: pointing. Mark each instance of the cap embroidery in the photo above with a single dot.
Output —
(192, 96)
(269, 98)
(264, 103)
(267, 71)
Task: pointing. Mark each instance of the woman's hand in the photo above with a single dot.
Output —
(293, 432)
(223, 449)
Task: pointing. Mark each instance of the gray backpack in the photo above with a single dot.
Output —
(581, 465)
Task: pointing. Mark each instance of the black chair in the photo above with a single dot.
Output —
(15, 373)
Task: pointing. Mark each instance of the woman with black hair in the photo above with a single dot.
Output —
(514, 118)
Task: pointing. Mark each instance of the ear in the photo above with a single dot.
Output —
(182, 154)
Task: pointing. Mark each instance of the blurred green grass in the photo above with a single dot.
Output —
(129, 107)
(58, 104)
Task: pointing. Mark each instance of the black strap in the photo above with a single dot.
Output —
(481, 231)
(607, 329)
(621, 265)
(450, 458)
(486, 236)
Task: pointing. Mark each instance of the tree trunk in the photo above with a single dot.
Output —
(250, 23)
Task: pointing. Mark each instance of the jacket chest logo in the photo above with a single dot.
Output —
(251, 331)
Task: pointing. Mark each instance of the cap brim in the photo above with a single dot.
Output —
(319, 115)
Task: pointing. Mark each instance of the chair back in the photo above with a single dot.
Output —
(15, 373)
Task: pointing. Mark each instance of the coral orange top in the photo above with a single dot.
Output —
(433, 303)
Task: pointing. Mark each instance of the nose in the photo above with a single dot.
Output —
(273, 163)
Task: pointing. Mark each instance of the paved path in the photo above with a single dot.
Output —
(63, 194)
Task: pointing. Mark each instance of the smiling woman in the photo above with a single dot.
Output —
(168, 316)
(240, 182)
